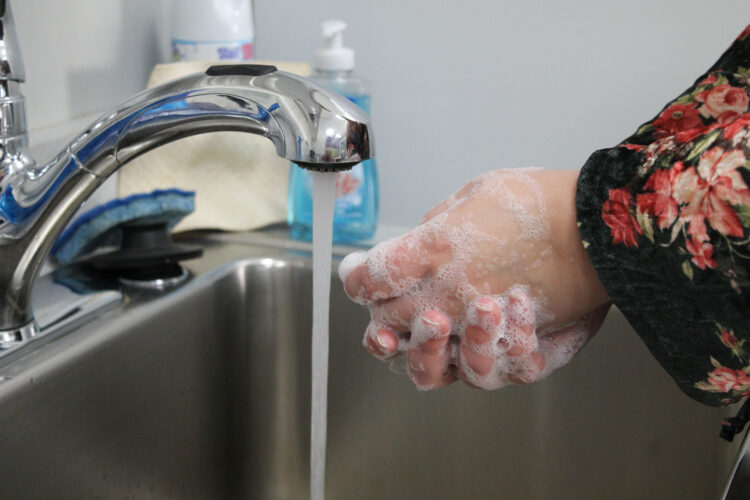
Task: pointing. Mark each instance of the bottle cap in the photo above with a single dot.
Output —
(333, 56)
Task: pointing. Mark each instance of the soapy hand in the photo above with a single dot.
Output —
(493, 287)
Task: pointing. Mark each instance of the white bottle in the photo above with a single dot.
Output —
(212, 30)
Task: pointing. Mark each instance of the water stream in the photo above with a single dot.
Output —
(324, 184)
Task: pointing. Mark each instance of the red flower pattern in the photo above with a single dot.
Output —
(709, 80)
(711, 190)
(728, 339)
(702, 253)
(346, 183)
(633, 147)
(723, 102)
(740, 123)
(682, 121)
(659, 202)
(726, 379)
(616, 214)
(688, 195)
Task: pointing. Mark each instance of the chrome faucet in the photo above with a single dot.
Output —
(307, 124)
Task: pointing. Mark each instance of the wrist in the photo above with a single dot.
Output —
(566, 239)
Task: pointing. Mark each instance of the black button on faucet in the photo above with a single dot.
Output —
(240, 69)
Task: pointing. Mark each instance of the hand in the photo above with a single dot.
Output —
(493, 287)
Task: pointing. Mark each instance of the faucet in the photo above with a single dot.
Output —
(307, 124)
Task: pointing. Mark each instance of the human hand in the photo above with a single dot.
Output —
(493, 287)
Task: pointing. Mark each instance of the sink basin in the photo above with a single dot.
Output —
(203, 392)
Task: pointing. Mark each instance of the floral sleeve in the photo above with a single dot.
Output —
(665, 218)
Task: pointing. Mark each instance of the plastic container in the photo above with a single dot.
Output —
(212, 30)
(357, 195)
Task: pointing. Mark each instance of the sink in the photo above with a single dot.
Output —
(203, 392)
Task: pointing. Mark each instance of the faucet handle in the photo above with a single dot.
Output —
(11, 61)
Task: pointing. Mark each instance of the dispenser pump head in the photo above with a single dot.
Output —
(333, 56)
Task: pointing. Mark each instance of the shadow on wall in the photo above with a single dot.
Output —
(127, 72)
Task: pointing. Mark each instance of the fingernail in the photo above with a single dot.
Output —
(484, 304)
(436, 320)
(384, 339)
(430, 321)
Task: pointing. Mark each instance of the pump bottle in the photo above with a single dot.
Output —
(356, 204)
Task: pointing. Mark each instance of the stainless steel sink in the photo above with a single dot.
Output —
(203, 392)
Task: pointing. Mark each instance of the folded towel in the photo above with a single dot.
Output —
(100, 226)
(239, 181)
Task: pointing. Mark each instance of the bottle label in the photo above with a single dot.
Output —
(349, 185)
(349, 194)
(190, 50)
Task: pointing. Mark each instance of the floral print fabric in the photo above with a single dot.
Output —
(665, 217)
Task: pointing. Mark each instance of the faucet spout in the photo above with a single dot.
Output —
(307, 124)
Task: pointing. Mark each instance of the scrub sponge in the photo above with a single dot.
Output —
(100, 226)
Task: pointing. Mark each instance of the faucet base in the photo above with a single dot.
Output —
(63, 299)
(18, 336)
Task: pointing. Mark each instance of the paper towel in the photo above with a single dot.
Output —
(240, 183)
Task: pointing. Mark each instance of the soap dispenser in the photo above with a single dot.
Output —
(356, 204)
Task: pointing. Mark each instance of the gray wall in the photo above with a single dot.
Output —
(458, 87)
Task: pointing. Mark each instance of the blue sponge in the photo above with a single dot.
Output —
(100, 226)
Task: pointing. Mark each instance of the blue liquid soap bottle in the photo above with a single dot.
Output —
(356, 206)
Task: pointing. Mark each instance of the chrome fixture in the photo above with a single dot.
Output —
(307, 124)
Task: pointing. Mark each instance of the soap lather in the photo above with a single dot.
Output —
(300, 118)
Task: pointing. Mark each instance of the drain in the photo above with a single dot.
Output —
(147, 258)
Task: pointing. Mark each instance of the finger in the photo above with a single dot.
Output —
(428, 363)
(520, 335)
(386, 271)
(527, 369)
(380, 341)
(362, 288)
(396, 314)
(577, 334)
(473, 360)
(407, 258)
(477, 355)
(525, 361)
(561, 345)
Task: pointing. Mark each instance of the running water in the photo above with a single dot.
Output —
(323, 198)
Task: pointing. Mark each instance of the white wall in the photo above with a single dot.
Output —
(83, 56)
(458, 87)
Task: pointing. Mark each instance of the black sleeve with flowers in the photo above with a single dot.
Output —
(665, 218)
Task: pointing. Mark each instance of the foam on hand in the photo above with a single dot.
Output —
(351, 262)
(451, 264)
